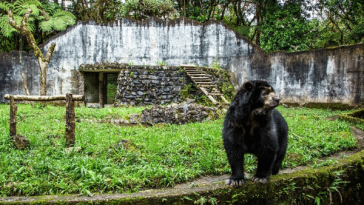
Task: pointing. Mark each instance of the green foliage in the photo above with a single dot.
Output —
(284, 30)
(186, 90)
(162, 63)
(143, 9)
(45, 18)
(216, 64)
(48, 15)
(101, 11)
(159, 156)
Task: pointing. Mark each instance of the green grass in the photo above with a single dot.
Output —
(111, 93)
(158, 156)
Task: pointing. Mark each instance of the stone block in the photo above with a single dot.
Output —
(153, 77)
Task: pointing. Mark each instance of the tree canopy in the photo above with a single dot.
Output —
(45, 20)
(274, 25)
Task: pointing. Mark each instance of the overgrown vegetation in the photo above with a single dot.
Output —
(159, 156)
(294, 25)
(44, 21)
(355, 117)
(112, 86)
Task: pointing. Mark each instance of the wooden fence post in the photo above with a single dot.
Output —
(13, 110)
(70, 121)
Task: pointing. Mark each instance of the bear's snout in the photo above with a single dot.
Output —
(273, 100)
(276, 99)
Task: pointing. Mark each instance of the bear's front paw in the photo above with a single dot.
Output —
(261, 180)
(235, 182)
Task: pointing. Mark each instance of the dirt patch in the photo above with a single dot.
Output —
(333, 118)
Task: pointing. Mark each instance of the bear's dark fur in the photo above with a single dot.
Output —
(252, 125)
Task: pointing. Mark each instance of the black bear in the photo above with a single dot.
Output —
(252, 125)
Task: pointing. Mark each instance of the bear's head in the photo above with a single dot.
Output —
(263, 98)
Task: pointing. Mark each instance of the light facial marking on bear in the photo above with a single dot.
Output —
(269, 95)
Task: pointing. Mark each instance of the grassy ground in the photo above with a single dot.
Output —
(156, 156)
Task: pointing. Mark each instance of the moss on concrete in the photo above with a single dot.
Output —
(356, 117)
(332, 106)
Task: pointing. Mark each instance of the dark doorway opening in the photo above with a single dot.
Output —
(91, 86)
(100, 88)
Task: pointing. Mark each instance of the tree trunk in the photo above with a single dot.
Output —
(43, 76)
(13, 110)
(70, 121)
(25, 83)
(42, 61)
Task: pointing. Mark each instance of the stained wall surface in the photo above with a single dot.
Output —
(329, 75)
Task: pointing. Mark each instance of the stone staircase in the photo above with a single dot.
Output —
(204, 83)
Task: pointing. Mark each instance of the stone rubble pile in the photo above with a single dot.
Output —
(186, 112)
(183, 113)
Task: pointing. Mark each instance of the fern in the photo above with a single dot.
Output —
(5, 6)
(48, 15)
(6, 29)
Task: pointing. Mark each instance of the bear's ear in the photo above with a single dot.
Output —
(248, 86)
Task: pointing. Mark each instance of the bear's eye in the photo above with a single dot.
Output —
(264, 94)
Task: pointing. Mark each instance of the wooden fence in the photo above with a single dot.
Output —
(70, 112)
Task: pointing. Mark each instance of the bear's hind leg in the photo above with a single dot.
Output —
(265, 165)
(277, 164)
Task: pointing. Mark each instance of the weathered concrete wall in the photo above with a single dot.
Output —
(326, 75)
(314, 76)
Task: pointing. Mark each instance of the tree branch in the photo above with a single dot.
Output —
(11, 20)
(24, 21)
(50, 52)
(45, 14)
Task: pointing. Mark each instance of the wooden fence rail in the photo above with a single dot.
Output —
(44, 98)
(70, 112)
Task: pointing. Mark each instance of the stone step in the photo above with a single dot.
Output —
(200, 77)
(187, 66)
(196, 73)
(204, 83)
(205, 86)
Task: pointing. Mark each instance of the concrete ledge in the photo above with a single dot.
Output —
(341, 182)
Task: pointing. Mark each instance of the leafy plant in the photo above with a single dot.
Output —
(216, 64)
(142, 9)
(185, 92)
(162, 63)
(49, 16)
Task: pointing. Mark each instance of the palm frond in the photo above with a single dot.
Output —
(46, 25)
(5, 6)
(50, 8)
(20, 7)
(6, 29)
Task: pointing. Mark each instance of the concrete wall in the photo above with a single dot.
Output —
(315, 76)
